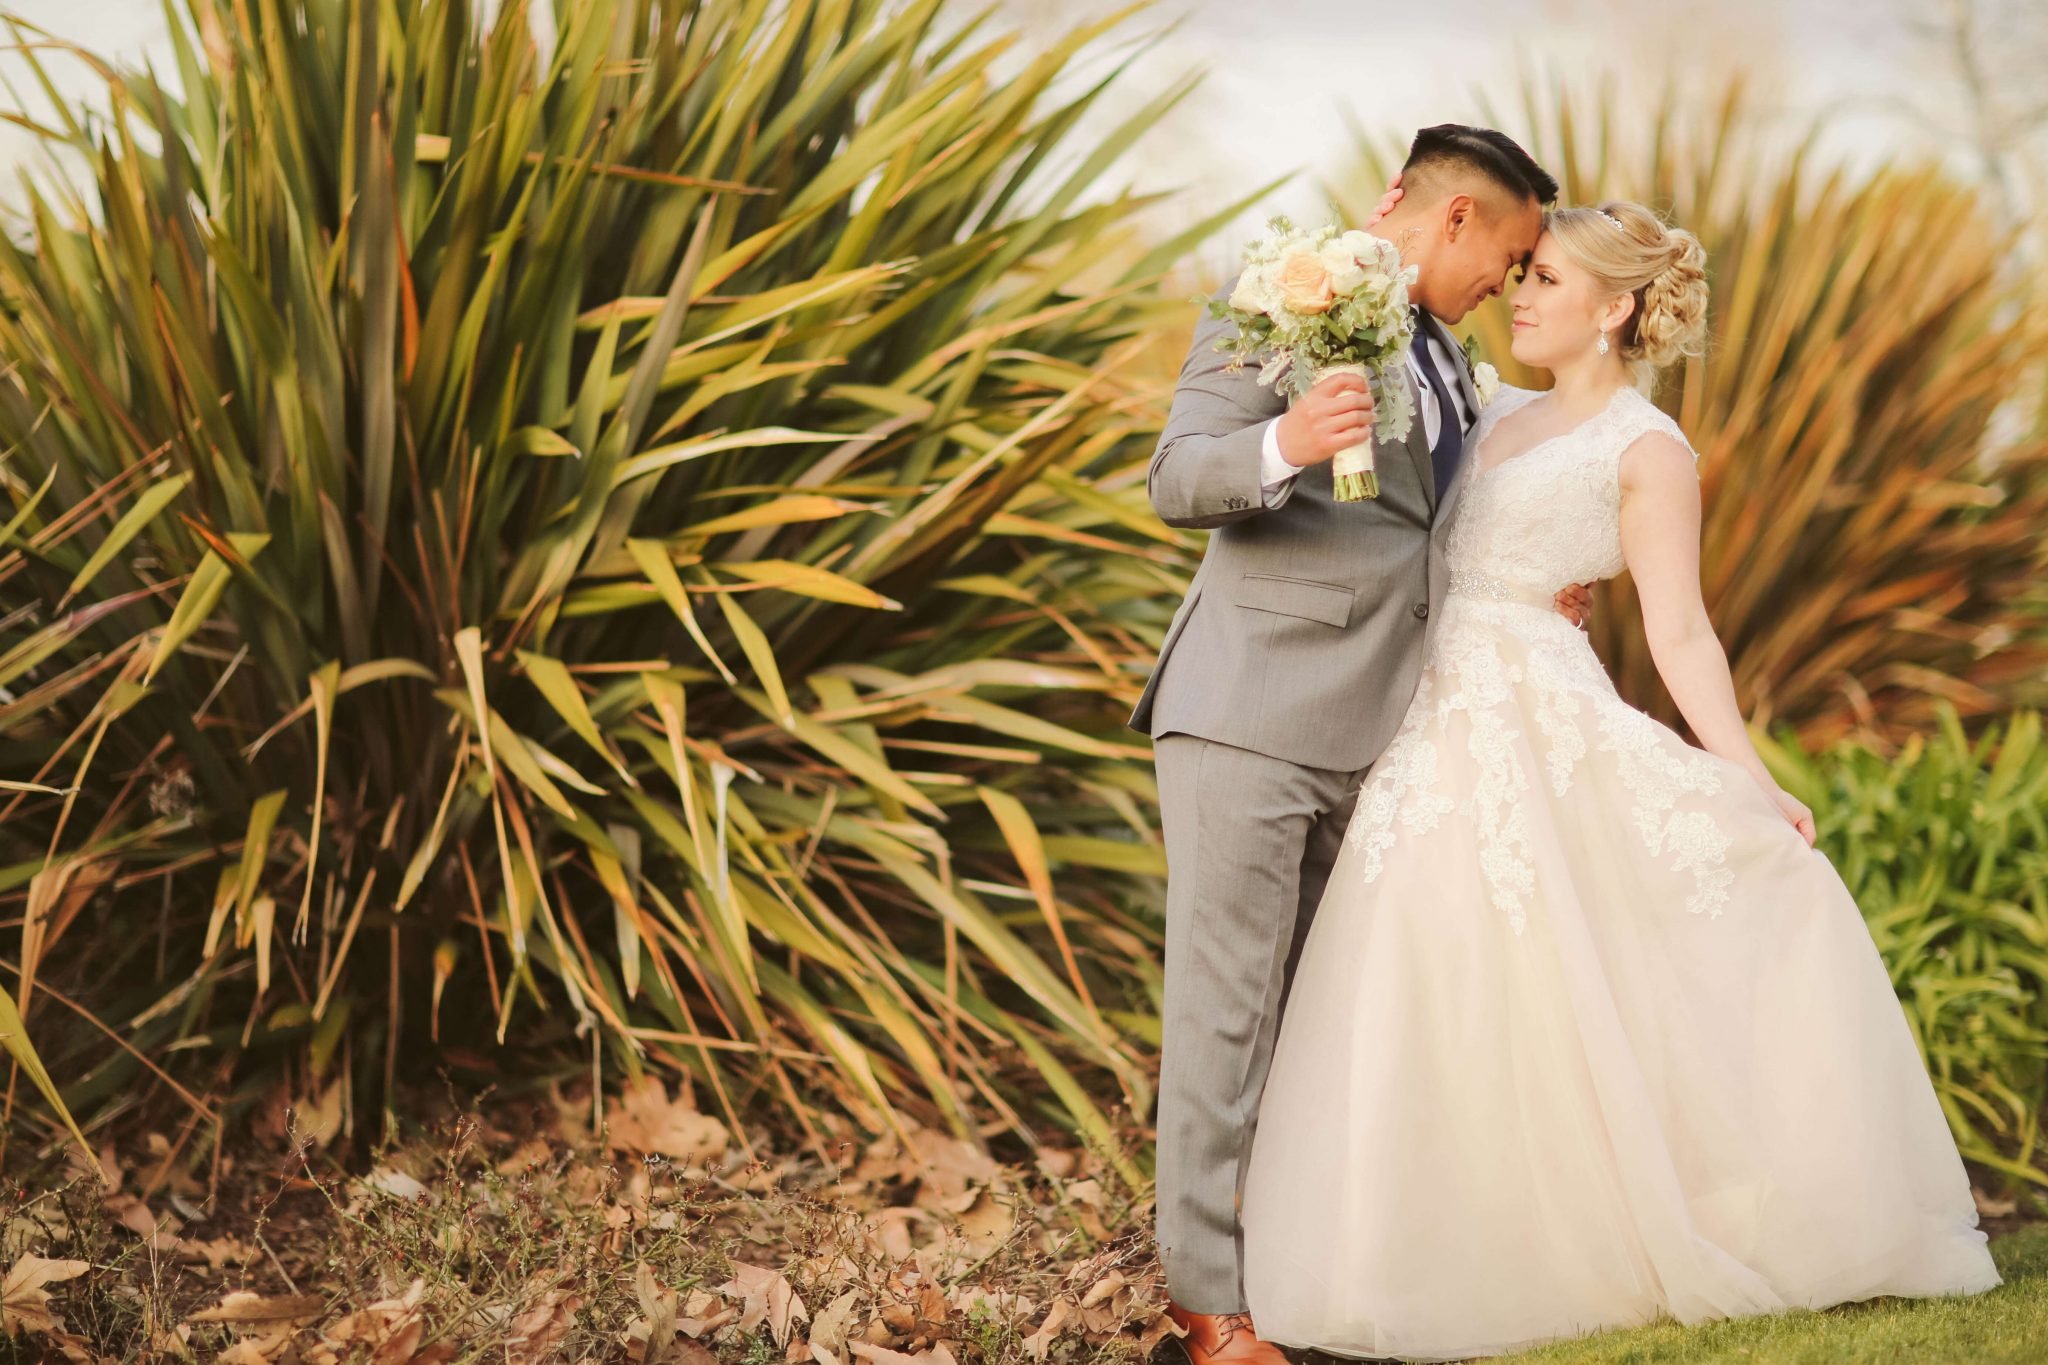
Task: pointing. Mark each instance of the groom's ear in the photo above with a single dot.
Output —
(1461, 213)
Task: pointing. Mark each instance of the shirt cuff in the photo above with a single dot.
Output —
(1274, 471)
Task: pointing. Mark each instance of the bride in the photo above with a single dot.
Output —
(1585, 1031)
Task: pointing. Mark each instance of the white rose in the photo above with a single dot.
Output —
(1254, 292)
(1486, 380)
(1346, 274)
(1363, 246)
(1373, 251)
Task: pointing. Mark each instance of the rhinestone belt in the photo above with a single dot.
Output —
(1464, 583)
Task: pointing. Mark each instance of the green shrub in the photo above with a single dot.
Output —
(1944, 842)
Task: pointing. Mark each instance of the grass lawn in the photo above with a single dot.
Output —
(2008, 1324)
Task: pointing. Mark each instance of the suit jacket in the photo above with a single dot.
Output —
(1304, 632)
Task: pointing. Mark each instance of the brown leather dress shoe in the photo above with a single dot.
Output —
(1222, 1338)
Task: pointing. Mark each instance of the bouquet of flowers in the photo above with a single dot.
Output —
(1321, 302)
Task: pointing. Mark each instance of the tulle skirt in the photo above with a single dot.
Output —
(1583, 1035)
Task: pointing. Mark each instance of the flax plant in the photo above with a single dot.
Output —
(635, 549)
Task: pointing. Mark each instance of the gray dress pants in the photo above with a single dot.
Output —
(1250, 841)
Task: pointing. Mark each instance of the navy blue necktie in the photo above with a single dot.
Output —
(1450, 437)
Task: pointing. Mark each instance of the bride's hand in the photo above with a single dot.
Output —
(1793, 809)
(1387, 201)
(1575, 604)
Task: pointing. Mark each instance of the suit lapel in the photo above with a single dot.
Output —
(1461, 365)
(1417, 444)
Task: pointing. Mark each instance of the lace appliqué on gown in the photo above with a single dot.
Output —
(1409, 794)
(1525, 528)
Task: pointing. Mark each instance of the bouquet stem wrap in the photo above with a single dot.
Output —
(1352, 475)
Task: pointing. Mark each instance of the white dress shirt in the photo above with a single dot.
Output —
(1274, 470)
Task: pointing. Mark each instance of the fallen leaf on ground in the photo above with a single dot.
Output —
(391, 1329)
(160, 1232)
(949, 1167)
(1104, 1288)
(244, 1308)
(24, 1303)
(765, 1297)
(1039, 1343)
(532, 1152)
(704, 1313)
(647, 1121)
(218, 1252)
(656, 1331)
(882, 1355)
(830, 1327)
(533, 1335)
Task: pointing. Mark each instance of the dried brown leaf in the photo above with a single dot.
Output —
(1104, 1288)
(882, 1355)
(1039, 1343)
(244, 1308)
(391, 1328)
(218, 1252)
(829, 1328)
(534, 1334)
(646, 1121)
(24, 1302)
(659, 1326)
(766, 1296)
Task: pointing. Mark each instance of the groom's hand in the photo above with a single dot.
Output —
(1575, 604)
(1331, 416)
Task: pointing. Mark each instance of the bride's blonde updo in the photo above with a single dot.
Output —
(1628, 250)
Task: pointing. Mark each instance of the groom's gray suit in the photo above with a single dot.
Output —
(1282, 678)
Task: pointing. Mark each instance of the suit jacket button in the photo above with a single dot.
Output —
(1422, 611)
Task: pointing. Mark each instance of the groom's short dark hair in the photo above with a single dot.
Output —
(1494, 155)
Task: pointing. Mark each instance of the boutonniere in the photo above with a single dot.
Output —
(1485, 378)
(1485, 382)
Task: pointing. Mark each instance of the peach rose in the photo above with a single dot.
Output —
(1304, 283)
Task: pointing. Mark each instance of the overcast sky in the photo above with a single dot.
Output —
(1280, 70)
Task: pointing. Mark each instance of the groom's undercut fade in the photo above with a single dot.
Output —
(1442, 157)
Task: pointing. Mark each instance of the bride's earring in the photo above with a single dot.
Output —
(1602, 347)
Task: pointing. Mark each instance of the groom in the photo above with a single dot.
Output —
(1284, 675)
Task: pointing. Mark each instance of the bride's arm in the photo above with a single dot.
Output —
(1660, 537)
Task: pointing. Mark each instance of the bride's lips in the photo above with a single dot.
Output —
(1520, 323)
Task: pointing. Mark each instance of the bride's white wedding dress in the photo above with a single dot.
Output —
(1583, 1034)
